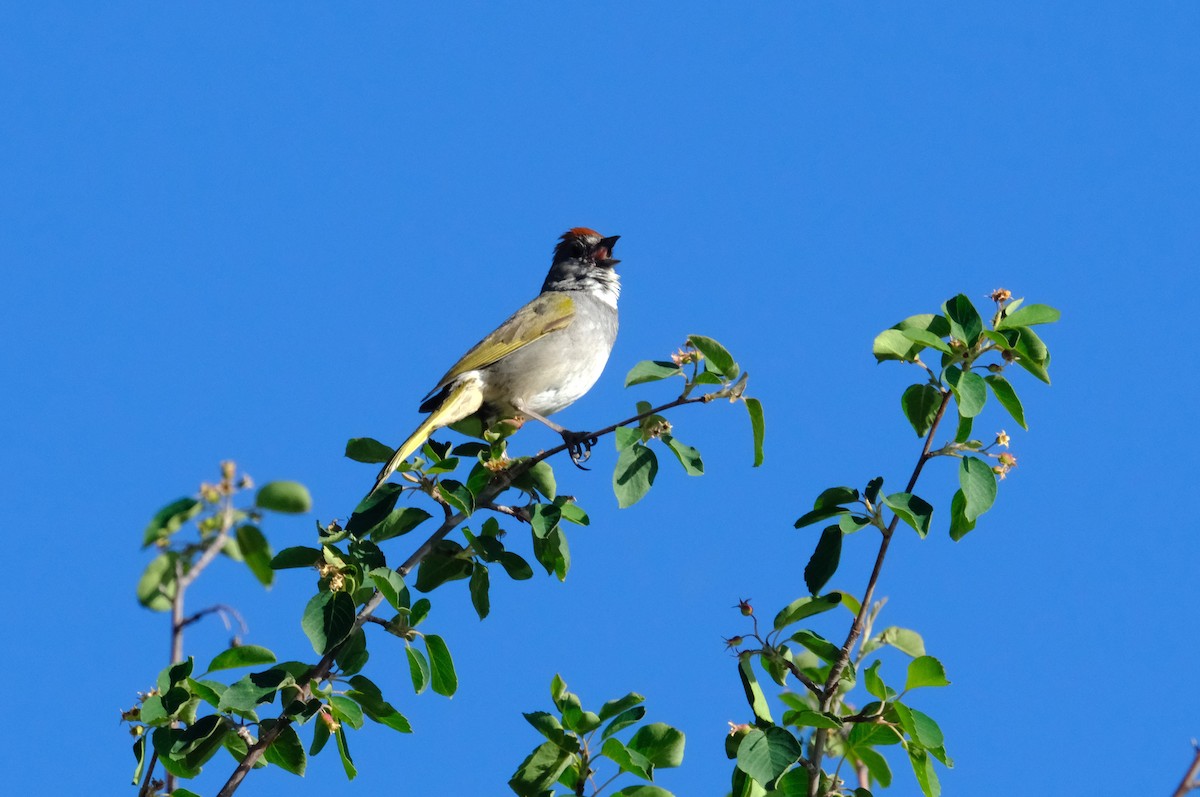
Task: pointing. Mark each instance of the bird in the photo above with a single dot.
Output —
(543, 358)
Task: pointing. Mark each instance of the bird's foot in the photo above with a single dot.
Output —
(579, 446)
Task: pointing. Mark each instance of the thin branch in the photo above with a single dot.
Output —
(802, 678)
(829, 693)
(183, 581)
(499, 484)
(149, 776)
(517, 512)
(225, 611)
(1191, 779)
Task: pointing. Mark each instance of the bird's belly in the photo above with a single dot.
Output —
(544, 383)
(553, 372)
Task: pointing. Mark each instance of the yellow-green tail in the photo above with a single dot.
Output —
(463, 400)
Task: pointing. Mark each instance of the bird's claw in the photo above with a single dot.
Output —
(579, 447)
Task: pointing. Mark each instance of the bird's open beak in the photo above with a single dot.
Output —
(608, 244)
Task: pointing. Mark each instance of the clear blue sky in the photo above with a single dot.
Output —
(246, 232)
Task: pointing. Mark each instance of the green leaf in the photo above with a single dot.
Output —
(1007, 398)
(757, 427)
(546, 724)
(628, 760)
(320, 738)
(903, 639)
(874, 683)
(156, 587)
(544, 518)
(479, 591)
(626, 436)
(766, 754)
(922, 766)
(296, 556)
(920, 404)
(372, 510)
(1032, 354)
(623, 720)
(290, 497)
(688, 457)
(754, 693)
(965, 323)
(925, 671)
(892, 344)
(444, 563)
(571, 512)
(418, 668)
(835, 495)
(328, 619)
(806, 607)
(817, 644)
(718, 358)
(241, 656)
(208, 691)
(959, 525)
(346, 710)
(817, 515)
(540, 770)
(542, 477)
(978, 486)
(1030, 315)
(827, 505)
(913, 510)
(366, 449)
(794, 783)
(651, 371)
(925, 338)
(398, 522)
(257, 553)
(640, 790)
(286, 752)
(614, 707)
(369, 696)
(553, 553)
(457, 495)
(343, 746)
(442, 675)
(391, 585)
(935, 325)
(877, 767)
(873, 488)
(255, 688)
(849, 524)
(824, 561)
(352, 655)
(969, 389)
(635, 471)
(170, 519)
(807, 718)
(516, 567)
(963, 433)
(420, 610)
(661, 744)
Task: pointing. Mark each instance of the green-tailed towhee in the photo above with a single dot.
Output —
(542, 359)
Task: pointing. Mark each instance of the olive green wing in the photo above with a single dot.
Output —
(545, 314)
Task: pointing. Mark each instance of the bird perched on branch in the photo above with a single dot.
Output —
(542, 359)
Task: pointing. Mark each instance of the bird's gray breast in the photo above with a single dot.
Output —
(557, 369)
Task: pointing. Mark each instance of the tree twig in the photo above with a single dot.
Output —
(1191, 778)
(829, 692)
(499, 484)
